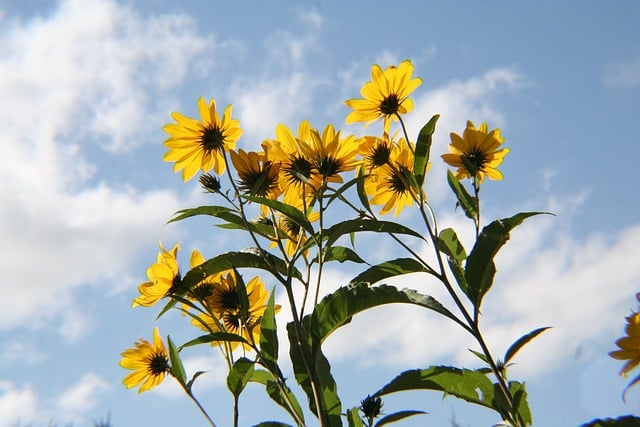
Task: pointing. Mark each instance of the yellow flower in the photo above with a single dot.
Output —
(149, 363)
(296, 237)
(258, 175)
(389, 184)
(227, 308)
(476, 153)
(375, 151)
(298, 178)
(164, 277)
(385, 96)
(629, 345)
(200, 144)
(330, 154)
(203, 289)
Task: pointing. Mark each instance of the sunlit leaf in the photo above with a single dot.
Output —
(269, 334)
(177, 368)
(520, 342)
(362, 194)
(466, 201)
(389, 269)
(239, 375)
(353, 418)
(337, 308)
(450, 245)
(423, 147)
(397, 416)
(340, 254)
(215, 211)
(295, 215)
(251, 258)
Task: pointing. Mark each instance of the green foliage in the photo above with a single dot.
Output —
(423, 147)
(467, 202)
(624, 421)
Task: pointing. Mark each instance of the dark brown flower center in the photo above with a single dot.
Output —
(261, 181)
(390, 105)
(158, 363)
(328, 165)
(229, 300)
(298, 170)
(212, 139)
(474, 161)
(379, 155)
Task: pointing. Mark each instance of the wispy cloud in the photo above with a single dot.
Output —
(81, 396)
(623, 73)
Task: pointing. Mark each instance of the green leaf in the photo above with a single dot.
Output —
(465, 384)
(480, 356)
(450, 245)
(623, 421)
(216, 211)
(465, 200)
(340, 191)
(177, 368)
(287, 210)
(389, 269)
(250, 258)
(423, 147)
(269, 335)
(214, 337)
(193, 379)
(341, 254)
(362, 194)
(480, 268)
(239, 375)
(520, 342)
(397, 416)
(338, 230)
(279, 396)
(337, 308)
(319, 366)
(353, 417)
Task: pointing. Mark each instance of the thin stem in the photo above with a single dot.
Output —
(235, 410)
(404, 131)
(202, 410)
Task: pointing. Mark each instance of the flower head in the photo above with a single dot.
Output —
(629, 346)
(230, 314)
(200, 144)
(258, 175)
(476, 153)
(330, 154)
(385, 96)
(148, 361)
(390, 184)
(164, 278)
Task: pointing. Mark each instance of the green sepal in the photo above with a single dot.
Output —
(423, 147)
(239, 375)
(177, 368)
(397, 416)
(466, 201)
(480, 268)
(521, 342)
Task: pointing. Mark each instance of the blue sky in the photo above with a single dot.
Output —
(87, 85)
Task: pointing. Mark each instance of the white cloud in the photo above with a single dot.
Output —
(624, 73)
(16, 405)
(81, 396)
(86, 78)
(21, 353)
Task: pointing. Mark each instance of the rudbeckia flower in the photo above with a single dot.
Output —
(148, 361)
(629, 345)
(476, 153)
(200, 144)
(386, 96)
(164, 278)
(389, 184)
(258, 175)
(330, 153)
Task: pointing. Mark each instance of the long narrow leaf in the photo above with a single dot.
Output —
(423, 147)
(269, 334)
(286, 399)
(450, 245)
(388, 269)
(397, 416)
(177, 368)
(200, 210)
(287, 210)
(520, 342)
(467, 202)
